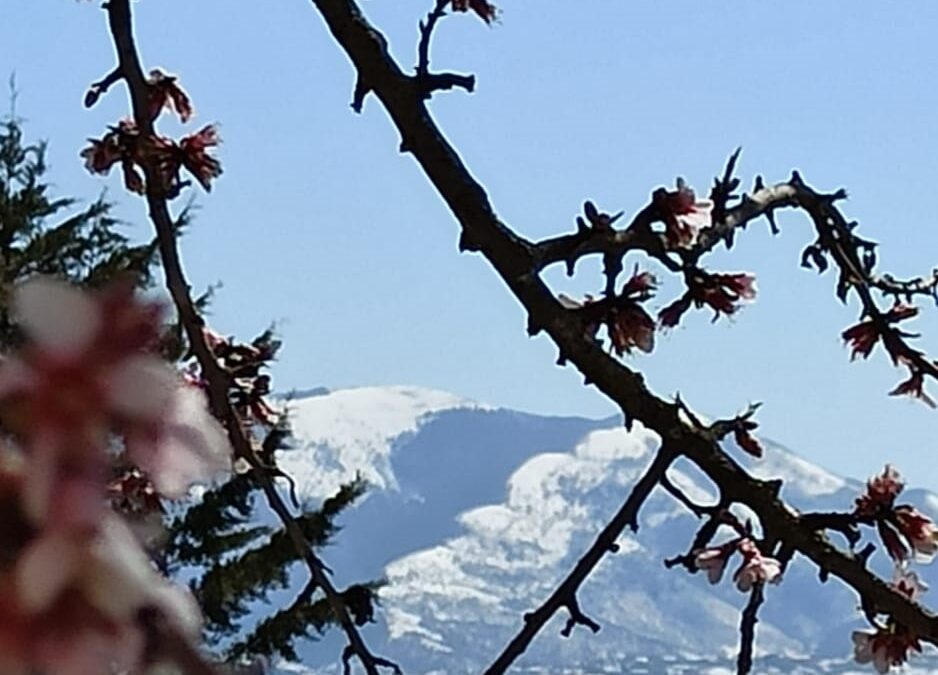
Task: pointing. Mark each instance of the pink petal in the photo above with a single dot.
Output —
(41, 467)
(179, 607)
(120, 576)
(881, 660)
(191, 445)
(744, 582)
(79, 503)
(715, 573)
(142, 388)
(862, 647)
(44, 569)
(699, 218)
(15, 376)
(14, 665)
(86, 651)
(58, 317)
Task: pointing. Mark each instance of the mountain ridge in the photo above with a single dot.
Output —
(477, 512)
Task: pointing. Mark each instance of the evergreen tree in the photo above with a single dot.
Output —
(44, 234)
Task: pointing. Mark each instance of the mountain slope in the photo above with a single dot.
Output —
(477, 513)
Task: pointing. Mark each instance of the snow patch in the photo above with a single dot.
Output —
(353, 431)
(611, 444)
(931, 502)
(808, 479)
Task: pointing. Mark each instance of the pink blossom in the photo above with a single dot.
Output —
(863, 336)
(182, 446)
(72, 602)
(121, 144)
(884, 649)
(640, 285)
(723, 292)
(683, 214)
(897, 550)
(881, 492)
(671, 315)
(165, 92)
(907, 583)
(914, 387)
(485, 10)
(85, 371)
(714, 560)
(755, 567)
(918, 529)
(745, 440)
(630, 327)
(195, 157)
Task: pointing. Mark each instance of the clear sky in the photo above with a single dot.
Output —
(319, 224)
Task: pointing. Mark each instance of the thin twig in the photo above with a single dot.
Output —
(426, 33)
(747, 629)
(565, 594)
(428, 82)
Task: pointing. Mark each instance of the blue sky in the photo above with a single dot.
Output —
(319, 224)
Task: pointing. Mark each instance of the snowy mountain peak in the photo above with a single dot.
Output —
(339, 433)
(475, 513)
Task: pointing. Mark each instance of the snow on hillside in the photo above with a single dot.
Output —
(343, 432)
(468, 593)
(475, 513)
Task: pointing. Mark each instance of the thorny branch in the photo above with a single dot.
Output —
(518, 262)
(129, 69)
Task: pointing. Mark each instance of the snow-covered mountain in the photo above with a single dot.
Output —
(475, 513)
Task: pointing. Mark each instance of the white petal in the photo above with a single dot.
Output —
(59, 317)
(44, 570)
(696, 219)
(119, 576)
(772, 570)
(142, 388)
(192, 446)
(881, 660)
(41, 466)
(241, 466)
(178, 606)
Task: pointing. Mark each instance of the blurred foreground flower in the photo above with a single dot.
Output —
(80, 595)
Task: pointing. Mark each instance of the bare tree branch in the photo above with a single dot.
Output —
(121, 26)
(517, 262)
